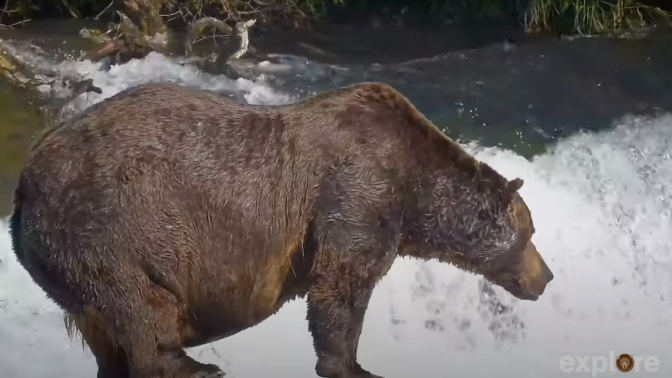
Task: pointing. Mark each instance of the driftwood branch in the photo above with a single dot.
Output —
(130, 41)
(72, 10)
(5, 11)
(104, 10)
(242, 31)
(197, 28)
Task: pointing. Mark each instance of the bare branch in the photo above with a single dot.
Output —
(242, 30)
(197, 27)
(72, 10)
(104, 10)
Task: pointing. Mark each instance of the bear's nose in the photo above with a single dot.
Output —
(547, 272)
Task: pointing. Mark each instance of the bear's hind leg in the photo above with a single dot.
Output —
(145, 319)
(110, 357)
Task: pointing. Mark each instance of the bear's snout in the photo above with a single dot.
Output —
(547, 271)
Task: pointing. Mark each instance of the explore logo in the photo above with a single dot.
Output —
(602, 364)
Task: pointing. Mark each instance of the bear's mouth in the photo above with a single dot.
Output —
(526, 296)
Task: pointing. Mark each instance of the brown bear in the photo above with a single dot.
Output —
(166, 217)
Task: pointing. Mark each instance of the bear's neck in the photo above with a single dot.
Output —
(455, 213)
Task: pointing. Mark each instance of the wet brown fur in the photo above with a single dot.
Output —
(165, 218)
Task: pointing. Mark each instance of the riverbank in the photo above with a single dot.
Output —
(560, 16)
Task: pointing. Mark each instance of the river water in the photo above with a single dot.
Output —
(583, 122)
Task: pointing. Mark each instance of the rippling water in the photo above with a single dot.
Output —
(601, 205)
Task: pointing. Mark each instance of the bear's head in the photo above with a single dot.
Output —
(487, 231)
(510, 259)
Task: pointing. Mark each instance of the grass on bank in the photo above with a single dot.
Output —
(590, 16)
(563, 16)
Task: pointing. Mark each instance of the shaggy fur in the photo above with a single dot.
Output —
(165, 218)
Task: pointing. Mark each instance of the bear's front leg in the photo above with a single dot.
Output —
(337, 301)
(357, 226)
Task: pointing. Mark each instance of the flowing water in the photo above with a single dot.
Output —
(584, 123)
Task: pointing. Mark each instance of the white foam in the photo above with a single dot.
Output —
(159, 68)
(601, 205)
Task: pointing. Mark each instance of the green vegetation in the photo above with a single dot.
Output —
(295, 12)
(564, 16)
(590, 16)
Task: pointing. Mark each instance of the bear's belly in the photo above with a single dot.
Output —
(236, 306)
(216, 320)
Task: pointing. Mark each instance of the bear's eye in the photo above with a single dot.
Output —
(474, 237)
(483, 215)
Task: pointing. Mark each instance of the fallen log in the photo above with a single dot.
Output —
(127, 40)
(139, 31)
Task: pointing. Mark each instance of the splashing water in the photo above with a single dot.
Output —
(601, 205)
(159, 68)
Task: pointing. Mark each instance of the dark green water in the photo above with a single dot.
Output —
(18, 124)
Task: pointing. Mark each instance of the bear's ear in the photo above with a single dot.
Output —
(510, 191)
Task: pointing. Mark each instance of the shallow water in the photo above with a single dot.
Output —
(600, 202)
